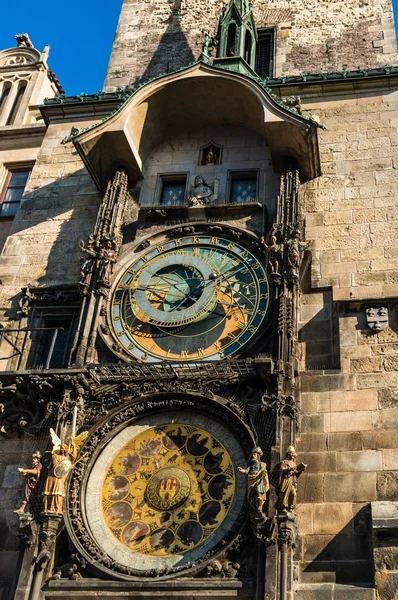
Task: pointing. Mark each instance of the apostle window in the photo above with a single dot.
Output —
(265, 49)
(243, 186)
(172, 190)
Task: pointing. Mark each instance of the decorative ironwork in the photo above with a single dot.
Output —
(226, 370)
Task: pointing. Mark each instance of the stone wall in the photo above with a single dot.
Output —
(155, 36)
(349, 423)
(350, 211)
(58, 208)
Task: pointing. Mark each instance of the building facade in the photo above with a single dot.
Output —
(199, 325)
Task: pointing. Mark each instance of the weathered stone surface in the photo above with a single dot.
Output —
(348, 421)
(319, 462)
(345, 441)
(387, 485)
(11, 478)
(386, 558)
(380, 439)
(354, 593)
(387, 585)
(388, 398)
(354, 400)
(350, 487)
(312, 442)
(305, 518)
(310, 488)
(390, 459)
(329, 518)
(303, 42)
(366, 460)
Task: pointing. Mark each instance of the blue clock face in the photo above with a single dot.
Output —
(195, 297)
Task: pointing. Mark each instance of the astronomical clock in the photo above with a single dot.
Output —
(160, 493)
(158, 490)
(189, 297)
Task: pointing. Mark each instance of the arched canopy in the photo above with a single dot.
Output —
(198, 96)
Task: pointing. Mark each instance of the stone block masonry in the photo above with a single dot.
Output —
(160, 35)
(349, 433)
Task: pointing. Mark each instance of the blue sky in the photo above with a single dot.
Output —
(80, 33)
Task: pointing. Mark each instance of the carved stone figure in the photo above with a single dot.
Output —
(201, 193)
(209, 44)
(257, 481)
(63, 457)
(32, 477)
(289, 472)
(274, 254)
(87, 265)
(106, 260)
(295, 250)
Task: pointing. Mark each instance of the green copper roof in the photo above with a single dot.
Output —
(126, 95)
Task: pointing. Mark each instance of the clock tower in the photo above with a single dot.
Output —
(179, 354)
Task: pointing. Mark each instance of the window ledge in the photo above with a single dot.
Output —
(160, 213)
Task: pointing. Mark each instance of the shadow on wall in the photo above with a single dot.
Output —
(318, 330)
(43, 247)
(172, 52)
(342, 558)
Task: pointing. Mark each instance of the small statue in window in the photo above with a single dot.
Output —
(289, 472)
(32, 477)
(201, 193)
(210, 157)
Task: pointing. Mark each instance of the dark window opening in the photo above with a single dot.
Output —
(13, 192)
(243, 187)
(4, 96)
(265, 53)
(51, 345)
(231, 40)
(248, 47)
(16, 105)
(172, 191)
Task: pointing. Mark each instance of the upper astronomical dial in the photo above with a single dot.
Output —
(170, 293)
(192, 297)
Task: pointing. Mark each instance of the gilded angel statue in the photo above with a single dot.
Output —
(62, 459)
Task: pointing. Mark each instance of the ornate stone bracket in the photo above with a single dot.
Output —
(285, 248)
(47, 539)
(105, 242)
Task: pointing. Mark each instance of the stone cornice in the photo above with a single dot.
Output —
(358, 75)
